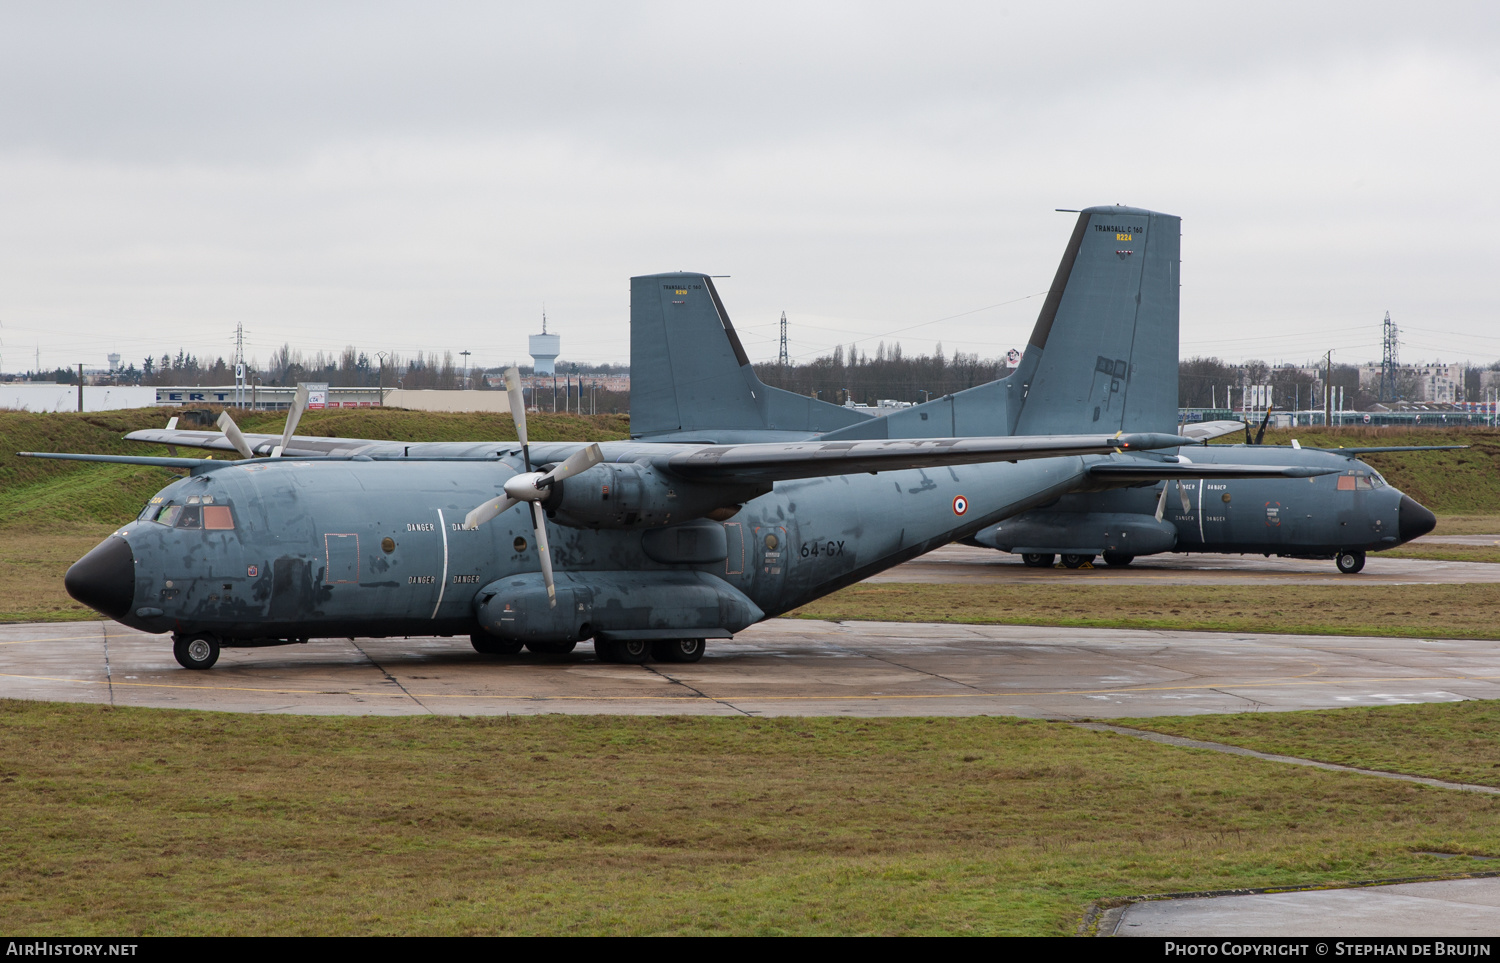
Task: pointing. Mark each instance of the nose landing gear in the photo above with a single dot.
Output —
(1350, 562)
(198, 651)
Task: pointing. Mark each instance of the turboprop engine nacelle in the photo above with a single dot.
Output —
(636, 495)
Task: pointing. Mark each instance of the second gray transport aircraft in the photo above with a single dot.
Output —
(649, 548)
(1103, 355)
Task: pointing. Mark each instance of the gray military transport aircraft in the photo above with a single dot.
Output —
(648, 548)
(1103, 355)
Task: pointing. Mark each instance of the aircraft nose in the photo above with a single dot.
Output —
(104, 579)
(1413, 521)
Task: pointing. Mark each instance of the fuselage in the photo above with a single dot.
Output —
(1353, 510)
(296, 549)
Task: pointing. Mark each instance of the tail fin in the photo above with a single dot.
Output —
(1105, 344)
(1103, 354)
(690, 376)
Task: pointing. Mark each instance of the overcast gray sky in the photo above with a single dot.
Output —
(427, 176)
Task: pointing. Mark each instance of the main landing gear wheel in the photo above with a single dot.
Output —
(1077, 561)
(1115, 558)
(486, 644)
(678, 650)
(196, 651)
(623, 651)
(1038, 559)
(1350, 562)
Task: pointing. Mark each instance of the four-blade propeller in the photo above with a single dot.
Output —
(532, 486)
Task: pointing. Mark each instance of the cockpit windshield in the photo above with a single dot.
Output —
(201, 512)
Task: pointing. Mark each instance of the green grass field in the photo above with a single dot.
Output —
(1460, 611)
(126, 821)
(1452, 741)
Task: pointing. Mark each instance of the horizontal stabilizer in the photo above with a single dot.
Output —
(148, 460)
(300, 445)
(1205, 431)
(1356, 452)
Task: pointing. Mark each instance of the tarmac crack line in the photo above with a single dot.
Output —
(1182, 743)
(699, 692)
(390, 678)
(109, 677)
(908, 668)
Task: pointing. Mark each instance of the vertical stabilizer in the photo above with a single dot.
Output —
(1103, 354)
(690, 377)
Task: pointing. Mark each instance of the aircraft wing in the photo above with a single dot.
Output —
(1141, 470)
(777, 462)
(1203, 431)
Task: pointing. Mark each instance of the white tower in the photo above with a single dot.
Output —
(544, 349)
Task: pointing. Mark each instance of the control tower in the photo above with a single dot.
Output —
(544, 349)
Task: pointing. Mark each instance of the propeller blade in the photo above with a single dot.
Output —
(294, 415)
(1246, 423)
(488, 510)
(1161, 503)
(1260, 435)
(232, 431)
(579, 461)
(544, 553)
(1187, 505)
(518, 410)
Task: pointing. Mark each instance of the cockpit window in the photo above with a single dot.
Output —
(1352, 482)
(200, 514)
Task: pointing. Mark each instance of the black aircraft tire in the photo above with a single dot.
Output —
(1350, 562)
(678, 650)
(623, 652)
(196, 651)
(551, 648)
(1076, 561)
(632, 651)
(1038, 559)
(486, 644)
(1115, 558)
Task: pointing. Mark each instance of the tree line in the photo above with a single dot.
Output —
(890, 374)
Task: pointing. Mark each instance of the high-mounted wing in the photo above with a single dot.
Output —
(779, 462)
(1139, 470)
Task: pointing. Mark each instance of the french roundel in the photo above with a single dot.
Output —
(960, 505)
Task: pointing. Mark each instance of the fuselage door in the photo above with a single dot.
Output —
(341, 558)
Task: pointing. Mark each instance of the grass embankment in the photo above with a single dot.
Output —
(1461, 611)
(1453, 741)
(164, 822)
(52, 512)
(1463, 482)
